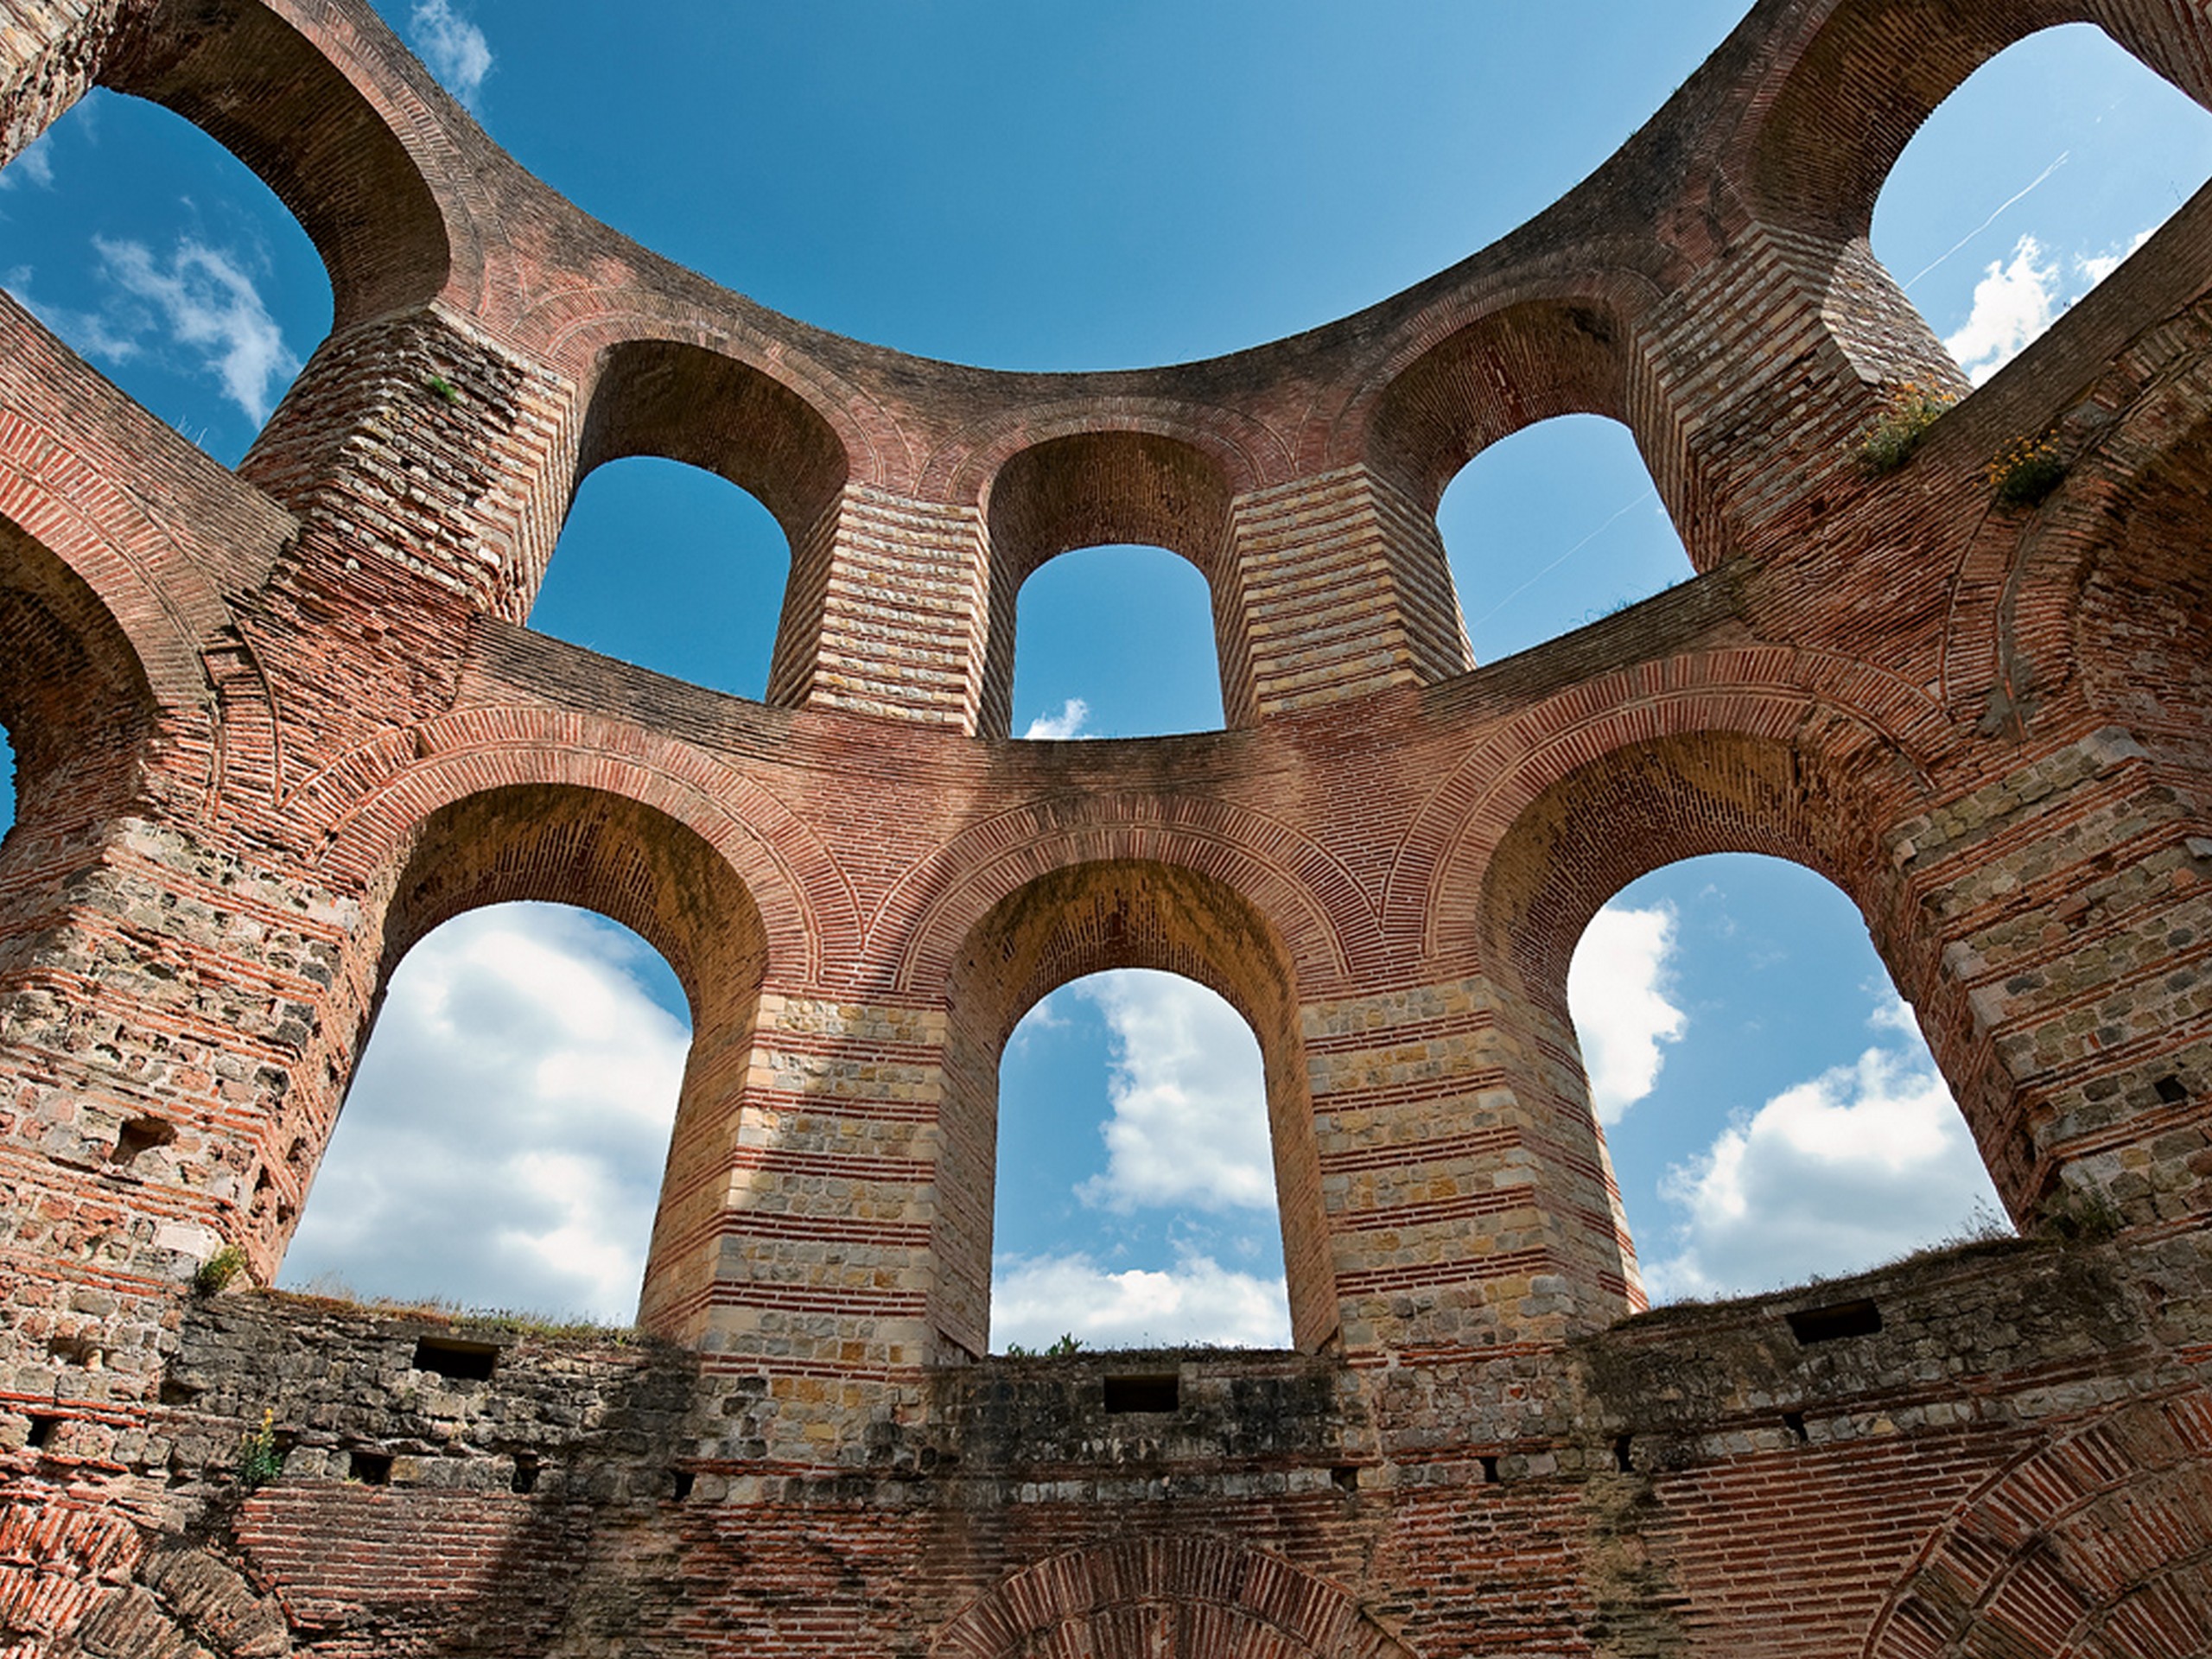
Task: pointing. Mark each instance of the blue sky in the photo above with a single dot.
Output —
(1081, 188)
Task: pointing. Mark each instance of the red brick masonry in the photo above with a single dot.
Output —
(274, 726)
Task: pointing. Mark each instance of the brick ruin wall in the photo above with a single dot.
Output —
(274, 724)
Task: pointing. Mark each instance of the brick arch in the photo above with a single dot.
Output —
(365, 808)
(1844, 91)
(1250, 453)
(330, 119)
(572, 844)
(2073, 1551)
(1095, 488)
(1312, 899)
(1086, 918)
(1878, 732)
(75, 698)
(1194, 1597)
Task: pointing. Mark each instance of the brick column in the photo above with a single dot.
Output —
(884, 613)
(2073, 901)
(1470, 1203)
(419, 440)
(1785, 352)
(1343, 590)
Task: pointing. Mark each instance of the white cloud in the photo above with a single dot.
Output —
(1036, 1299)
(455, 49)
(1615, 992)
(1068, 723)
(33, 163)
(2013, 302)
(1860, 1165)
(2095, 267)
(207, 302)
(505, 1139)
(1190, 1122)
(92, 333)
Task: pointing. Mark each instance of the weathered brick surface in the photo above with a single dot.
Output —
(274, 727)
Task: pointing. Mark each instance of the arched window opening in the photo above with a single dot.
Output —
(1553, 527)
(1135, 1198)
(2031, 184)
(1771, 1110)
(1116, 642)
(162, 260)
(503, 1143)
(670, 568)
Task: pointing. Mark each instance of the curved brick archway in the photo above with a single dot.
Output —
(1094, 489)
(1084, 919)
(345, 144)
(1195, 1597)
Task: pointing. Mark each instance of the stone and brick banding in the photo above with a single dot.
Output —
(274, 724)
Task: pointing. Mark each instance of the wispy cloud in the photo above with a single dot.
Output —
(1074, 714)
(1036, 1299)
(33, 164)
(454, 47)
(503, 1140)
(1855, 1167)
(1615, 991)
(1190, 1114)
(201, 298)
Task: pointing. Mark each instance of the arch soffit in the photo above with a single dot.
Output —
(147, 584)
(1774, 693)
(369, 122)
(1312, 1617)
(1614, 288)
(582, 328)
(1310, 897)
(371, 801)
(964, 467)
(1837, 57)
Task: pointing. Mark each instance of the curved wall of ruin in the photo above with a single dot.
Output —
(276, 724)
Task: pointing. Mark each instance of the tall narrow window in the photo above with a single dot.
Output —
(1552, 528)
(671, 568)
(503, 1143)
(1136, 1194)
(154, 253)
(1116, 642)
(2031, 184)
(1771, 1107)
(7, 782)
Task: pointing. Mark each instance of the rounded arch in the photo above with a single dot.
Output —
(1095, 488)
(1084, 918)
(1846, 93)
(74, 697)
(1186, 1595)
(716, 412)
(344, 144)
(631, 863)
(1510, 368)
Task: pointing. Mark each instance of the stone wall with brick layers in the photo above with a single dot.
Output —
(275, 725)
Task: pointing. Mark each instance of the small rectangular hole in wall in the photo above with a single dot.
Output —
(1795, 1422)
(1489, 1472)
(461, 1362)
(1143, 1393)
(1346, 1476)
(1624, 1454)
(525, 1480)
(1835, 1322)
(682, 1484)
(2170, 1090)
(370, 1468)
(42, 1427)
